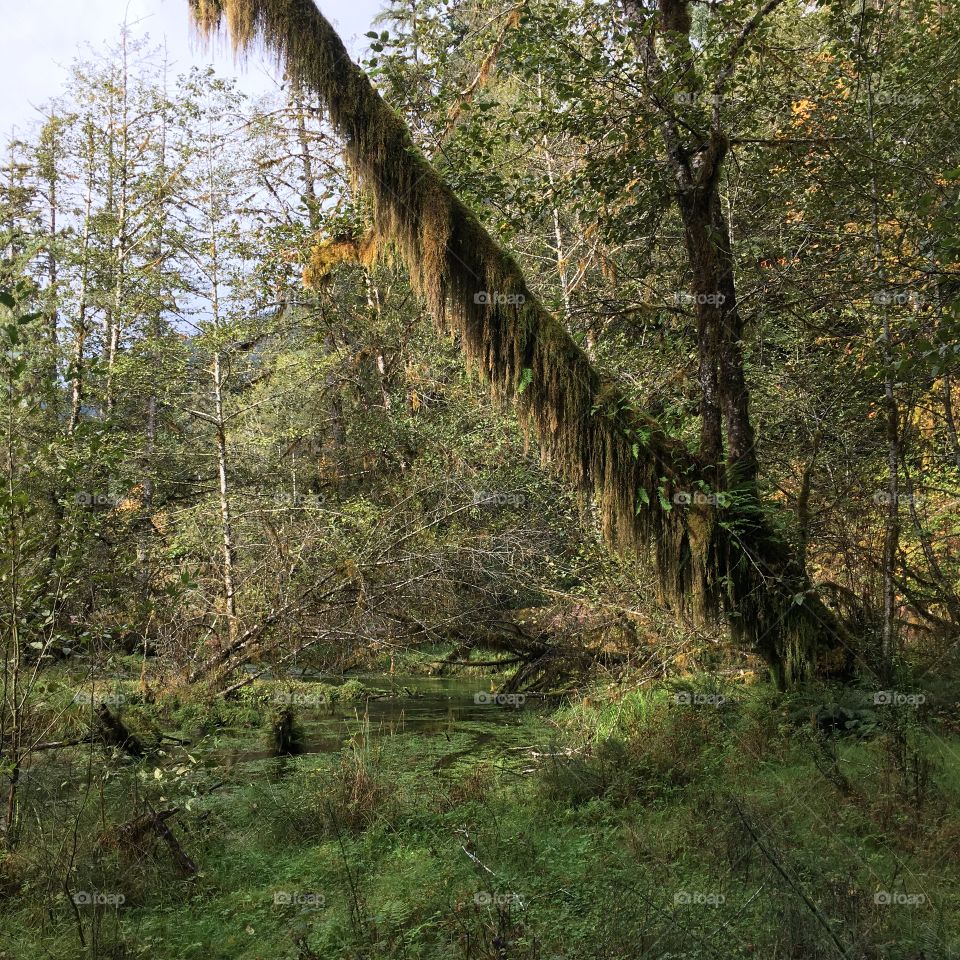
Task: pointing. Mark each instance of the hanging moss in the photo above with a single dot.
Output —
(328, 252)
(587, 430)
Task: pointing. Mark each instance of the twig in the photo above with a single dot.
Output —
(814, 909)
(60, 744)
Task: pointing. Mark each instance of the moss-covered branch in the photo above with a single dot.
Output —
(587, 429)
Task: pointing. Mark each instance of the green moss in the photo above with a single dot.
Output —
(613, 808)
(709, 560)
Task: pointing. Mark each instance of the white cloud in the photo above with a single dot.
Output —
(41, 38)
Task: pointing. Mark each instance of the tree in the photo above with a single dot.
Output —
(586, 427)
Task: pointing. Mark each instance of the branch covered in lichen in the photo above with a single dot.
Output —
(587, 429)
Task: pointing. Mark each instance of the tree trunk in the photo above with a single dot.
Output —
(716, 561)
(80, 331)
(891, 536)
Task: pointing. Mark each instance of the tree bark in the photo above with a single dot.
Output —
(730, 561)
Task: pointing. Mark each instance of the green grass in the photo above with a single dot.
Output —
(642, 827)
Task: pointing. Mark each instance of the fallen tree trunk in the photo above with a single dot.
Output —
(114, 734)
(232, 651)
(713, 559)
(60, 744)
(155, 822)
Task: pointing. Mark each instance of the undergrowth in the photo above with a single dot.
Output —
(691, 820)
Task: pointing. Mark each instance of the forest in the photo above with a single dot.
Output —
(493, 497)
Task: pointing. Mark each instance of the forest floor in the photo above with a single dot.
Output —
(685, 820)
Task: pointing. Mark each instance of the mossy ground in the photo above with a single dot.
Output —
(629, 824)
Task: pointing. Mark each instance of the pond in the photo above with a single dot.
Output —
(460, 711)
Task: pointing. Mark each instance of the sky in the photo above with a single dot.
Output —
(41, 37)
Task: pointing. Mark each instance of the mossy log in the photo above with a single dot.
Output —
(713, 560)
(286, 734)
(133, 833)
(114, 734)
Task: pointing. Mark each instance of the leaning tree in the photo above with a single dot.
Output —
(718, 558)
